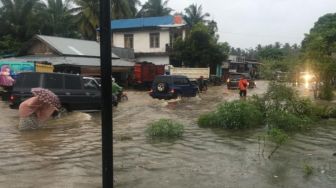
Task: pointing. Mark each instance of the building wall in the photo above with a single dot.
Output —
(141, 40)
(39, 48)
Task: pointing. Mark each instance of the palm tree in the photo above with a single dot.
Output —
(120, 9)
(133, 7)
(58, 19)
(155, 8)
(194, 15)
(87, 14)
(17, 18)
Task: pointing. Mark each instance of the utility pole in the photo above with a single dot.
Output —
(106, 93)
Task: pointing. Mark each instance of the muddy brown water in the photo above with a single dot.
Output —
(67, 151)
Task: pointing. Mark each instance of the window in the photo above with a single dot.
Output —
(90, 84)
(181, 81)
(154, 40)
(128, 40)
(72, 82)
(54, 81)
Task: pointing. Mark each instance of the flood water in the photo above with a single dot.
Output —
(67, 152)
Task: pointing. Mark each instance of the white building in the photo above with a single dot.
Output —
(151, 38)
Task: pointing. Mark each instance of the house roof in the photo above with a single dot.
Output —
(124, 53)
(143, 22)
(73, 47)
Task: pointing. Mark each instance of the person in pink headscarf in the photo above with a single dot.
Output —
(5, 78)
(36, 110)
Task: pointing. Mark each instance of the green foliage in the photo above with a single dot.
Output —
(165, 128)
(319, 48)
(9, 45)
(332, 112)
(155, 8)
(200, 48)
(326, 92)
(194, 15)
(233, 115)
(307, 169)
(277, 136)
(286, 121)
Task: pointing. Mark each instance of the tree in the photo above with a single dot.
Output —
(120, 9)
(133, 7)
(17, 18)
(319, 47)
(154, 8)
(200, 49)
(58, 19)
(194, 15)
(87, 17)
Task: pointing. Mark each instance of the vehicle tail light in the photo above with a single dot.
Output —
(12, 98)
(172, 91)
(151, 91)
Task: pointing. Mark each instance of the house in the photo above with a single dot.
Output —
(74, 56)
(151, 37)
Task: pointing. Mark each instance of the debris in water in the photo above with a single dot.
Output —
(275, 176)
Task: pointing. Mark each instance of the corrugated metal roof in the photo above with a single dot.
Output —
(142, 22)
(124, 53)
(73, 47)
(82, 61)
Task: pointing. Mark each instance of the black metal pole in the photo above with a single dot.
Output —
(106, 92)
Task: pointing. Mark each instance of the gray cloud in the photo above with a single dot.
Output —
(247, 23)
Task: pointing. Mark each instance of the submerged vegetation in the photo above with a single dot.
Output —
(281, 110)
(165, 128)
(233, 115)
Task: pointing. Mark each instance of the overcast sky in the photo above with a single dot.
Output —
(247, 23)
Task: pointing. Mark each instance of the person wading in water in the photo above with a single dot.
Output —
(242, 86)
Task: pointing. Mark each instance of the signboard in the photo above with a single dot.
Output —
(191, 73)
(17, 67)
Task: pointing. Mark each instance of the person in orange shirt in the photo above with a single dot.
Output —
(242, 86)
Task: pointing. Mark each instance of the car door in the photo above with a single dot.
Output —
(182, 86)
(79, 99)
(92, 89)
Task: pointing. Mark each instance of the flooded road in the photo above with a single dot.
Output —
(67, 152)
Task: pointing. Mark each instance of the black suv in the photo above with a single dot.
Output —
(233, 80)
(74, 92)
(172, 86)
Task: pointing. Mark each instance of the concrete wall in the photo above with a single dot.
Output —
(141, 40)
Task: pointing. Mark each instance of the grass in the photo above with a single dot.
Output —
(165, 128)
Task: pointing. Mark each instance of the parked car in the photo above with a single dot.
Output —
(172, 86)
(74, 91)
(233, 80)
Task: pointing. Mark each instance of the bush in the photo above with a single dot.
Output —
(332, 112)
(286, 121)
(165, 128)
(326, 92)
(277, 136)
(233, 115)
